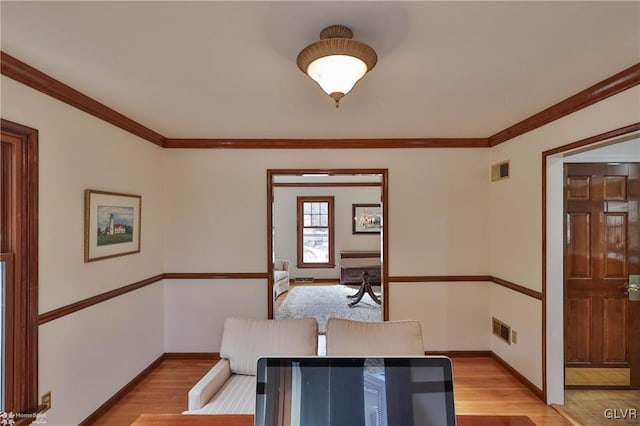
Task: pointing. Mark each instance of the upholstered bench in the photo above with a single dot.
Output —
(230, 386)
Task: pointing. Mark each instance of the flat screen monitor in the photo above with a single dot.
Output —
(354, 391)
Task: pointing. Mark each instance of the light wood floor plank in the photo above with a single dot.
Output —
(163, 391)
(603, 407)
(482, 386)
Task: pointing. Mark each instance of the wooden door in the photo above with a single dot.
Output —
(602, 248)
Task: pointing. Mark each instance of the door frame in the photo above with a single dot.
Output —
(553, 258)
(271, 173)
(23, 398)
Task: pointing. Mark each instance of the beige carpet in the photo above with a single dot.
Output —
(324, 302)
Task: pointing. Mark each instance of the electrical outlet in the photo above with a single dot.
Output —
(514, 336)
(46, 401)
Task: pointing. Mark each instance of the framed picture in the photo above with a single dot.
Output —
(367, 219)
(111, 224)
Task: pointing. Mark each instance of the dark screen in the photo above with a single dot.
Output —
(367, 391)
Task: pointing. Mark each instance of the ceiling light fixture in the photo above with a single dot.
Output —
(336, 62)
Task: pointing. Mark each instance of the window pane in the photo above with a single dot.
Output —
(307, 220)
(324, 208)
(324, 220)
(316, 245)
(315, 208)
(306, 208)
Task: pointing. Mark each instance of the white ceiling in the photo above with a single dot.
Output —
(210, 69)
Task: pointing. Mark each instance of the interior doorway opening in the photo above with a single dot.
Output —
(612, 147)
(293, 235)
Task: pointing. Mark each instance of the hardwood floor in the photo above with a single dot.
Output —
(164, 390)
(482, 386)
(603, 407)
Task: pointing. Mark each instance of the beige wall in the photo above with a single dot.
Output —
(104, 346)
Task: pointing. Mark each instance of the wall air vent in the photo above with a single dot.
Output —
(500, 171)
(303, 280)
(502, 330)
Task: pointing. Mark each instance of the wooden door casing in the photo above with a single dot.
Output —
(602, 247)
(19, 245)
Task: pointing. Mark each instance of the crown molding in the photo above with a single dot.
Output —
(328, 143)
(28, 75)
(611, 86)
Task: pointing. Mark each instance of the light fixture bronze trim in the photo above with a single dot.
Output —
(337, 40)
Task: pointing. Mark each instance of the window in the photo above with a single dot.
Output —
(315, 232)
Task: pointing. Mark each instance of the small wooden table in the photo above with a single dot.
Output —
(365, 287)
(247, 420)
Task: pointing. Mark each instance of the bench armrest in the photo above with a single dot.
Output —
(209, 385)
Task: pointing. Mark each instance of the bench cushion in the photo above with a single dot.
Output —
(237, 396)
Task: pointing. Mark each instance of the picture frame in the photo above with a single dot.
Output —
(366, 218)
(112, 224)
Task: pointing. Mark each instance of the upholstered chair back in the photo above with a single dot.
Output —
(245, 340)
(392, 338)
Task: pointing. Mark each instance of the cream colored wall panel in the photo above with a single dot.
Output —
(88, 356)
(215, 212)
(524, 315)
(195, 310)
(454, 315)
(438, 206)
(439, 210)
(77, 152)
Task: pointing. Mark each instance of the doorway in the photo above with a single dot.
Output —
(602, 256)
(616, 146)
(317, 184)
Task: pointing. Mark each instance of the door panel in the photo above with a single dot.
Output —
(579, 316)
(614, 245)
(579, 248)
(615, 339)
(601, 324)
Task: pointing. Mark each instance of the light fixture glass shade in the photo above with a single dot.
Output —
(337, 73)
(336, 62)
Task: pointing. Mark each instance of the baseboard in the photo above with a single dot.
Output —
(515, 373)
(311, 280)
(461, 354)
(93, 417)
(195, 356)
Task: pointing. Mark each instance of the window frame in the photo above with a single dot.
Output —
(300, 231)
